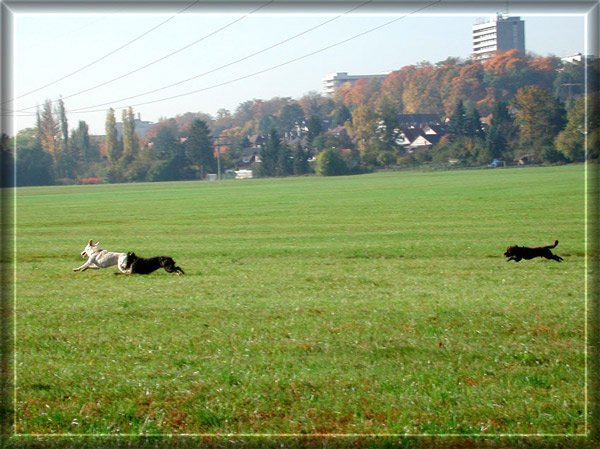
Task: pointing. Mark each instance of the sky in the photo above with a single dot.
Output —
(221, 57)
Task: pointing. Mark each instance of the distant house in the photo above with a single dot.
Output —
(487, 120)
(249, 156)
(417, 131)
(257, 140)
(340, 132)
(419, 138)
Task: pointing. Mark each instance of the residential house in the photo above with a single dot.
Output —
(418, 131)
(340, 132)
(257, 140)
(419, 138)
(249, 156)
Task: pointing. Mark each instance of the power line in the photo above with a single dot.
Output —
(269, 68)
(102, 57)
(163, 57)
(228, 64)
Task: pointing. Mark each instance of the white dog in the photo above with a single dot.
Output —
(100, 258)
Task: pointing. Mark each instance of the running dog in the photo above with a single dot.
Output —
(141, 265)
(100, 258)
(517, 253)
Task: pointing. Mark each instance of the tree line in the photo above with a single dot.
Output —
(538, 108)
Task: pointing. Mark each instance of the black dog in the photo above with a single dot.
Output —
(140, 265)
(517, 253)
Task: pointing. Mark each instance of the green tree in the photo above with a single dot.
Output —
(326, 140)
(130, 140)
(269, 156)
(67, 160)
(301, 156)
(388, 129)
(6, 162)
(199, 148)
(501, 133)
(572, 142)
(33, 165)
(458, 121)
(289, 116)
(164, 143)
(570, 81)
(112, 147)
(330, 163)
(342, 115)
(540, 117)
(314, 129)
(473, 126)
(80, 139)
(284, 161)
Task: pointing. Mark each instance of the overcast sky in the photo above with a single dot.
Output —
(100, 60)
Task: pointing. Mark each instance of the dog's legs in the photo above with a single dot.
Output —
(89, 264)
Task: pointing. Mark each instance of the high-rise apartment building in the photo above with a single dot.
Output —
(332, 81)
(499, 34)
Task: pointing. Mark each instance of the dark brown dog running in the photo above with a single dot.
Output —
(517, 253)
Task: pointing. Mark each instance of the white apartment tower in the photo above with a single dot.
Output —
(500, 34)
(332, 81)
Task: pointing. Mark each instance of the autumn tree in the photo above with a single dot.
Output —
(364, 132)
(394, 85)
(423, 93)
(540, 117)
(49, 135)
(234, 139)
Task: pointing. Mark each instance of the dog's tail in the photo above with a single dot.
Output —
(553, 246)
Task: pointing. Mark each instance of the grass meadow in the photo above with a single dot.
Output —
(378, 304)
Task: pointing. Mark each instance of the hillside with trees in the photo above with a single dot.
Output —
(514, 107)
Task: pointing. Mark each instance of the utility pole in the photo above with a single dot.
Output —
(218, 143)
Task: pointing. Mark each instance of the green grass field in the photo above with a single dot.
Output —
(374, 304)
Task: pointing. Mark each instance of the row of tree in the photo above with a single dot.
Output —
(537, 105)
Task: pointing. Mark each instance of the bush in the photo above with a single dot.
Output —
(330, 163)
(90, 180)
